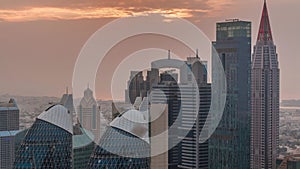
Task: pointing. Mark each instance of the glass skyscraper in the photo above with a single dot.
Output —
(83, 146)
(230, 143)
(124, 145)
(48, 143)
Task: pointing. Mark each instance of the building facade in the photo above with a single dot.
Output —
(265, 98)
(83, 146)
(9, 126)
(67, 101)
(124, 145)
(89, 114)
(9, 116)
(48, 143)
(136, 87)
(167, 92)
(184, 123)
(230, 143)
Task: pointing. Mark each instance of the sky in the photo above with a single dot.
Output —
(40, 40)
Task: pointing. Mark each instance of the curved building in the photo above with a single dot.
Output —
(83, 146)
(48, 143)
(124, 145)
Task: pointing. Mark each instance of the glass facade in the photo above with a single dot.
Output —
(234, 28)
(126, 145)
(83, 147)
(169, 93)
(230, 143)
(45, 146)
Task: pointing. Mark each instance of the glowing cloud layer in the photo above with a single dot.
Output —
(51, 13)
(52, 10)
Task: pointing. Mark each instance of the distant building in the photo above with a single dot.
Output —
(152, 79)
(289, 162)
(9, 126)
(67, 101)
(83, 146)
(196, 67)
(9, 116)
(230, 143)
(89, 114)
(169, 76)
(124, 145)
(265, 98)
(48, 143)
(136, 86)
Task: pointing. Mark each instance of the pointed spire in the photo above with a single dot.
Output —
(169, 54)
(265, 33)
(67, 90)
(197, 54)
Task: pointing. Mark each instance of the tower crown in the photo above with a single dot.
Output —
(265, 33)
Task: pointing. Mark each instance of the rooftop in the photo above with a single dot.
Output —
(59, 116)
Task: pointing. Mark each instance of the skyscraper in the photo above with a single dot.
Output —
(9, 126)
(194, 154)
(67, 101)
(89, 114)
(230, 143)
(124, 145)
(265, 98)
(48, 143)
(180, 98)
(9, 116)
(136, 87)
(83, 146)
(167, 92)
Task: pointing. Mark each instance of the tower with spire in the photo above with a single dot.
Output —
(265, 98)
(89, 114)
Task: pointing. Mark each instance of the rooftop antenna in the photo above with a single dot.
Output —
(169, 54)
(197, 56)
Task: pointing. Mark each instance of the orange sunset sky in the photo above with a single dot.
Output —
(40, 40)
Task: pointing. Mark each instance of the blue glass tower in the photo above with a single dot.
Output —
(48, 143)
(230, 143)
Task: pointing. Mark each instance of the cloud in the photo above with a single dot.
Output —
(62, 10)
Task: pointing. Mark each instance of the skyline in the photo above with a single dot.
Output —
(59, 40)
